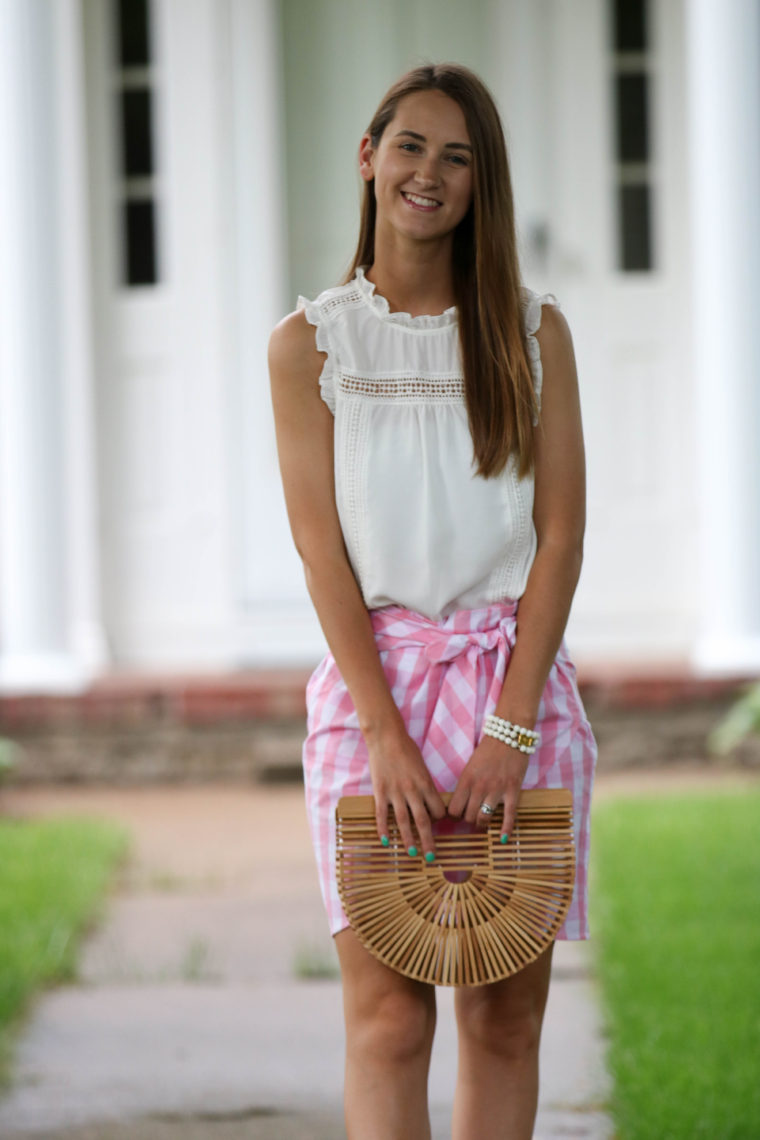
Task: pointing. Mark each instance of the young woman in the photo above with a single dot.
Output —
(429, 434)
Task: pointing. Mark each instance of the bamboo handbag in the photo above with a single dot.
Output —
(481, 911)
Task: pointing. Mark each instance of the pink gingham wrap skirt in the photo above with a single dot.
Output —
(445, 677)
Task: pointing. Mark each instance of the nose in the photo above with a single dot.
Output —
(427, 172)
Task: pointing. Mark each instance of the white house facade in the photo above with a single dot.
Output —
(174, 172)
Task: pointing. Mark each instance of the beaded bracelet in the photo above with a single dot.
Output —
(524, 739)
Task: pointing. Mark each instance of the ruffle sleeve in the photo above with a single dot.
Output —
(532, 317)
(315, 316)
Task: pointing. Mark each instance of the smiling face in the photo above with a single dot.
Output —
(422, 167)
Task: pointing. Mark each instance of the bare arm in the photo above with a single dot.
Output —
(304, 429)
(496, 771)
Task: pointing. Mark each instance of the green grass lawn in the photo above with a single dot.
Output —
(53, 874)
(676, 888)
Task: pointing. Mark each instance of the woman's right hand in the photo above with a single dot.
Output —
(400, 780)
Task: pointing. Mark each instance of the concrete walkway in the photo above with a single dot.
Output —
(195, 1016)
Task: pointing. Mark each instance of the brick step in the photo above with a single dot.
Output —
(142, 728)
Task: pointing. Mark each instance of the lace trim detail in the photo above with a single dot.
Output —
(533, 303)
(438, 389)
(354, 475)
(520, 508)
(341, 297)
(380, 305)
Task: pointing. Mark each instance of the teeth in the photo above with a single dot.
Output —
(421, 201)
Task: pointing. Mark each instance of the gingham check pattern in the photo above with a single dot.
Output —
(445, 677)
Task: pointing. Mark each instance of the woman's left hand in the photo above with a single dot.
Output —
(494, 774)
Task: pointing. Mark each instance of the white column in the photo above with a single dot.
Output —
(49, 633)
(724, 103)
(87, 640)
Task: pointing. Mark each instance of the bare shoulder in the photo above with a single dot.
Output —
(292, 349)
(555, 343)
(553, 334)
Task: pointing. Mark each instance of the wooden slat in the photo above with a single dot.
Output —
(351, 807)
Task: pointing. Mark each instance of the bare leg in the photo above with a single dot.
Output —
(499, 1033)
(390, 1022)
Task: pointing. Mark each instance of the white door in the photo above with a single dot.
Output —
(601, 202)
(158, 237)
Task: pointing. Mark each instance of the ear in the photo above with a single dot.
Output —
(366, 158)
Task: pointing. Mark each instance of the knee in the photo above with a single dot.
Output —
(395, 1027)
(511, 1032)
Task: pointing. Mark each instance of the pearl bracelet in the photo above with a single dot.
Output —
(523, 739)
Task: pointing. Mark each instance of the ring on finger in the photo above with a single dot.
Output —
(486, 809)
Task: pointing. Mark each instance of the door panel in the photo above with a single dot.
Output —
(637, 596)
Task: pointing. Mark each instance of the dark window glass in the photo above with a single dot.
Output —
(137, 148)
(138, 210)
(134, 34)
(630, 25)
(632, 124)
(140, 243)
(635, 227)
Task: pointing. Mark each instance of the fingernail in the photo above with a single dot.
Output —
(505, 838)
(429, 856)
(412, 851)
(384, 840)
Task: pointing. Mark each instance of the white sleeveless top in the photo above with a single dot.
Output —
(422, 530)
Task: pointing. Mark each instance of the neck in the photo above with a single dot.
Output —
(417, 280)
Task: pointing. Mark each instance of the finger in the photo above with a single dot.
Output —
(435, 805)
(424, 829)
(460, 797)
(408, 837)
(510, 815)
(381, 819)
(486, 809)
(477, 797)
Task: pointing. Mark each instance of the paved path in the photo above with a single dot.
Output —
(192, 1018)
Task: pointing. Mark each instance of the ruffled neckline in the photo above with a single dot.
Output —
(380, 304)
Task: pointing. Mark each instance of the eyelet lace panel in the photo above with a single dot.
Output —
(341, 297)
(438, 389)
(380, 304)
(532, 305)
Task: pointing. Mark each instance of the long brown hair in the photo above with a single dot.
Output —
(501, 402)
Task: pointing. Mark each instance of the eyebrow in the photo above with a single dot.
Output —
(415, 135)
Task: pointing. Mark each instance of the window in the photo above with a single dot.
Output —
(631, 54)
(137, 182)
